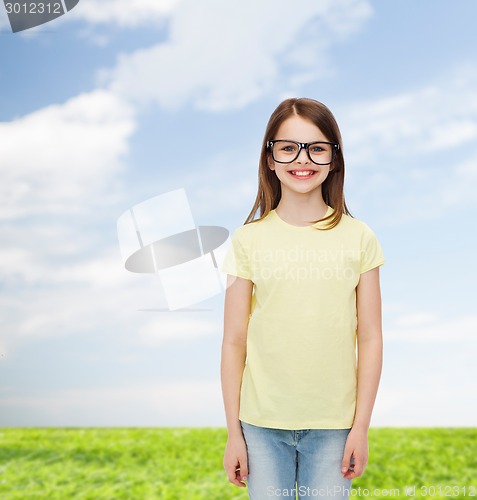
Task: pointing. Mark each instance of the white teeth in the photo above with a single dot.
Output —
(302, 174)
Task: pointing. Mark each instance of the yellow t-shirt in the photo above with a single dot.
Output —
(301, 366)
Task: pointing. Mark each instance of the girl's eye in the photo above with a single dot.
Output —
(289, 149)
(317, 149)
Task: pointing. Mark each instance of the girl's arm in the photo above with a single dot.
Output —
(370, 355)
(370, 346)
(234, 351)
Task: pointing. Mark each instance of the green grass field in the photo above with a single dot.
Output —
(186, 464)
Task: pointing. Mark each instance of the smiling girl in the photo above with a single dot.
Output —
(302, 294)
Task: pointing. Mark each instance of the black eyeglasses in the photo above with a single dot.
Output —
(319, 152)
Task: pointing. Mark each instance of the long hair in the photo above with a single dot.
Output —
(269, 188)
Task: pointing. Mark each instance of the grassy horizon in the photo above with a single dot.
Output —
(175, 463)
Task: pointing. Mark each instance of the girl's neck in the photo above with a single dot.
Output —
(300, 212)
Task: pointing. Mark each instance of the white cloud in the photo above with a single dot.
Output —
(63, 275)
(55, 158)
(436, 118)
(427, 372)
(30, 266)
(121, 13)
(58, 307)
(175, 328)
(58, 161)
(124, 13)
(416, 319)
(88, 296)
(184, 403)
(419, 145)
(429, 328)
(460, 187)
(224, 55)
(427, 405)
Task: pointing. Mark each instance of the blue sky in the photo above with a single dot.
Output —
(121, 101)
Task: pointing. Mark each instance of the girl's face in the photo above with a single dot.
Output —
(299, 129)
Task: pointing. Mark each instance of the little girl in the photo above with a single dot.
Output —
(302, 293)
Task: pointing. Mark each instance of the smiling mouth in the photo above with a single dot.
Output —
(302, 174)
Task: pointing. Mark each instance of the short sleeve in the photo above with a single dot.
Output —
(371, 252)
(237, 257)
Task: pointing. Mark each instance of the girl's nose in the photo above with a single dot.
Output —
(303, 156)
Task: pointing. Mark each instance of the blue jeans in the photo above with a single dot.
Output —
(295, 464)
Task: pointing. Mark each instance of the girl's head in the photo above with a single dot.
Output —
(317, 115)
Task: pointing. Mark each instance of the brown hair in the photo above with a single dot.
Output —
(269, 188)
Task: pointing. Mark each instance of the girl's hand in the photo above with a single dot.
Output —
(356, 449)
(235, 460)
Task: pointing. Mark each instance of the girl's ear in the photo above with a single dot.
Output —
(270, 162)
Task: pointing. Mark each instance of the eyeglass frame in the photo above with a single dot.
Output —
(305, 146)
